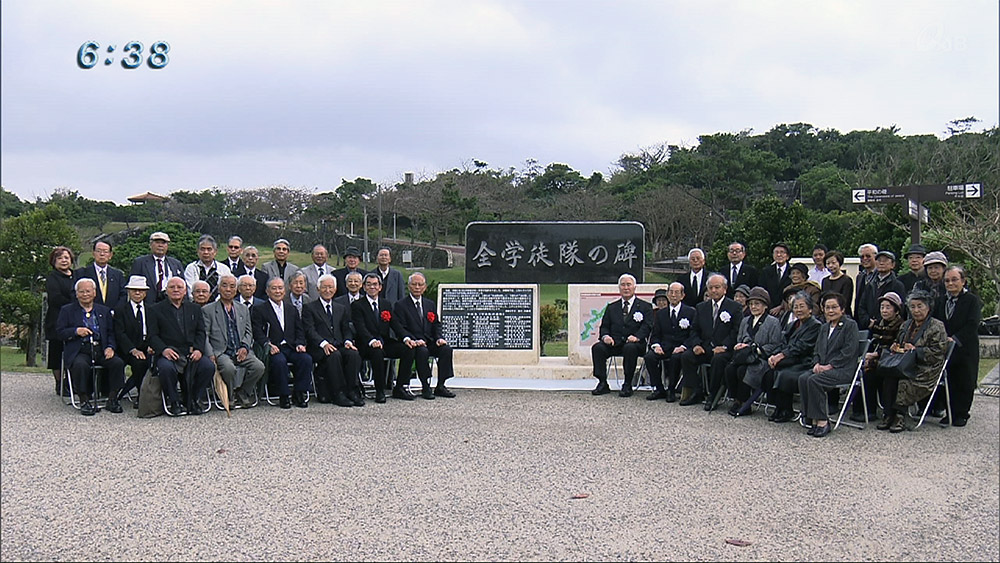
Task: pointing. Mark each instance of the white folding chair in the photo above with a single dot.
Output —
(857, 384)
(942, 381)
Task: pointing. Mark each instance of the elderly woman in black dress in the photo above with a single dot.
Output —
(59, 289)
(926, 336)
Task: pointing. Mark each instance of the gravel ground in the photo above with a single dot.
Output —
(487, 476)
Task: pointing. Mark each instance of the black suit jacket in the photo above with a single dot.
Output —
(426, 328)
(368, 327)
(240, 268)
(799, 344)
(267, 329)
(747, 276)
(669, 334)
(318, 327)
(693, 295)
(116, 284)
(128, 330)
(261, 278)
(963, 326)
(723, 333)
(164, 332)
(146, 266)
(774, 285)
(618, 327)
(71, 317)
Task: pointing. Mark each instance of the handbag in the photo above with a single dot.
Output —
(902, 365)
(746, 356)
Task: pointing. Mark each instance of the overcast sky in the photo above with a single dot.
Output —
(306, 93)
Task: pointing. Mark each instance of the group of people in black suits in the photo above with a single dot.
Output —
(324, 323)
(784, 336)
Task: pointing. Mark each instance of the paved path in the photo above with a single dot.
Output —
(487, 476)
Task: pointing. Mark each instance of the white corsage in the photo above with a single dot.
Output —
(684, 323)
(637, 316)
(725, 316)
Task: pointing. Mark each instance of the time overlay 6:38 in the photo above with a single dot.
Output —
(90, 54)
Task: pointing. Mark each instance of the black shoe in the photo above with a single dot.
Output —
(694, 399)
(341, 400)
(284, 402)
(671, 396)
(195, 409)
(711, 406)
(884, 424)
(356, 399)
(299, 400)
(88, 409)
(783, 416)
(656, 395)
(959, 421)
(322, 398)
(937, 413)
(625, 391)
(735, 409)
(401, 393)
(114, 406)
(379, 396)
(177, 409)
(601, 389)
(442, 391)
(427, 393)
(822, 431)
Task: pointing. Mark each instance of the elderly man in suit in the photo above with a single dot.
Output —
(230, 342)
(718, 324)
(352, 259)
(110, 280)
(834, 363)
(132, 334)
(330, 342)
(738, 272)
(355, 282)
(206, 268)
(624, 328)
(393, 286)
(672, 334)
(278, 329)
(280, 267)
(157, 267)
(250, 258)
(297, 296)
(695, 279)
(866, 273)
(776, 277)
(374, 326)
(421, 331)
(234, 251)
(177, 335)
(316, 270)
(86, 328)
(246, 286)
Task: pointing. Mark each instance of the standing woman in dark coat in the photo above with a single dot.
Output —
(59, 289)
(962, 311)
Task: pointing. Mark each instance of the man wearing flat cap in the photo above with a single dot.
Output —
(884, 281)
(352, 259)
(915, 258)
(157, 267)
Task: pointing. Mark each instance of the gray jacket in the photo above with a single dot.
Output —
(768, 339)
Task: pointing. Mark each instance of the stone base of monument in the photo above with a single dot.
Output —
(547, 368)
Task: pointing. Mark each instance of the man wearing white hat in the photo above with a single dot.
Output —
(131, 335)
(157, 267)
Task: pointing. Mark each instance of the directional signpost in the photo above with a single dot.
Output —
(913, 196)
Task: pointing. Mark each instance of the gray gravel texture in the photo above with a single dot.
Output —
(487, 476)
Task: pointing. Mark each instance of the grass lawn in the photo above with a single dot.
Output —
(12, 359)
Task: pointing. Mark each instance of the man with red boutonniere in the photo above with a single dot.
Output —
(421, 332)
(374, 326)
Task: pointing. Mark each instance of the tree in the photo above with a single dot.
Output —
(10, 204)
(25, 244)
(183, 245)
(827, 187)
(674, 220)
(550, 320)
(765, 223)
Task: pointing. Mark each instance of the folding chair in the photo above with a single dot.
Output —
(857, 382)
(291, 381)
(942, 381)
(95, 375)
(217, 400)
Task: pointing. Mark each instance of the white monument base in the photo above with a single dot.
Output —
(555, 367)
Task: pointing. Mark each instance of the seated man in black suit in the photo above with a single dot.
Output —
(330, 342)
(132, 335)
(624, 328)
(718, 324)
(673, 327)
(246, 286)
(277, 328)
(421, 332)
(177, 335)
(375, 325)
(86, 329)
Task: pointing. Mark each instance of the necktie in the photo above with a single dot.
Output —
(204, 273)
(420, 309)
(715, 312)
(375, 307)
(329, 313)
(320, 269)
(138, 318)
(694, 282)
(732, 280)
(949, 308)
(248, 303)
(673, 316)
(298, 306)
(104, 285)
(625, 309)
(159, 274)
